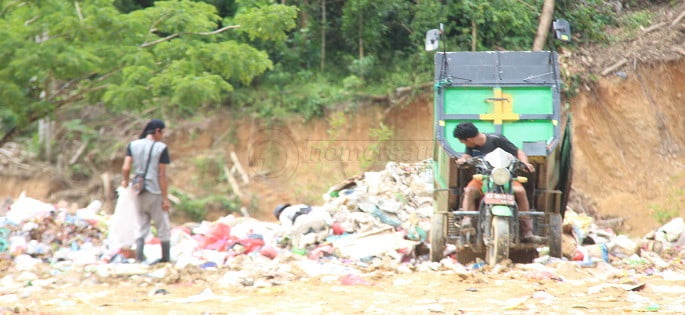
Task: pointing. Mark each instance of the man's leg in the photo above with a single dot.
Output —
(161, 220)
(144, 228)
(526, 223)
(472, 193)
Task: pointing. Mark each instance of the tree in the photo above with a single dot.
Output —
(58, 52)
(545, 23)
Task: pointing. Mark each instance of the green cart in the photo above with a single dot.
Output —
(515, 94)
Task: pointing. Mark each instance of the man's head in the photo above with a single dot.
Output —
(466, 132)
(154, 127)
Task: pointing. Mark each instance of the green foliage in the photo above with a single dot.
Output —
(662, 214)
(80, 171)
(133, 56)
(209, 171)
(267, 22)
(336, 125)
(667, 209)
(308, 99)
(362, 67)
(76, 128)
(512, 28)
(352, 82)
(635, 20)
(572, 83)
(589, 19)
(380, 136)
(197, 208)
(282, 59)
(631, 23)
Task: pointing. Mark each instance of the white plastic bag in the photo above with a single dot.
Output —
(124, 225)
(26, 208)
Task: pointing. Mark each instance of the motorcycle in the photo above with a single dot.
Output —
(497, 216)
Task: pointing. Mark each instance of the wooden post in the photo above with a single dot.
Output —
(239, 168)
(107, 191)
(615, 66)
(233, 182)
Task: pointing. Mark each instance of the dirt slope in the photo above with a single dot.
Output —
(629, 137)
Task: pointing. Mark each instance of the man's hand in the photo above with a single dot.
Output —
(530, 167)
(166, 204)
(124, 183)
(460, 161)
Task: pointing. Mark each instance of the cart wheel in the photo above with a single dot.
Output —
(438, 231)
(555, 235)
(498, 250)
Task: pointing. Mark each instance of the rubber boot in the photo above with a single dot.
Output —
(527, 236)
(140, 254)
(166, 248)
(467, 226)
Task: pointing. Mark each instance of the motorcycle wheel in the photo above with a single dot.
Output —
(438, 231)
(498, 249)
(555, 235)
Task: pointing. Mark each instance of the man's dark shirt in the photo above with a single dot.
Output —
(493, 142)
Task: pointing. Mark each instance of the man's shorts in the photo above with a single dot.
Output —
(478, 184)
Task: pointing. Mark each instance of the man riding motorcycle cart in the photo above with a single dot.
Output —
(480, 144)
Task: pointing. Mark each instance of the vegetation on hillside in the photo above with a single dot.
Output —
(88, 59)
(297, 56)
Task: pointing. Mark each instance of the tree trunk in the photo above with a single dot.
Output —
(361, 42)
(323, 35)
(543, 27)
(474, 34)
(304, 17)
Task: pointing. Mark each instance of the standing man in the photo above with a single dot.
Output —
(480, 144)
(150, 157)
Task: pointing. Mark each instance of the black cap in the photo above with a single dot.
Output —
(151, 126)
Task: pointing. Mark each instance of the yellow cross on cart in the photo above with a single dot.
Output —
(503, 108)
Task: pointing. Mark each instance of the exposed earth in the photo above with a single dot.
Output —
(629, 164)
(523, 289)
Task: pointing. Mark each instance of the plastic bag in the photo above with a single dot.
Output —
(124, 225)
(26, 208)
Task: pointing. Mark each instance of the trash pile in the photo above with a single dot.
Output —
(587, 243)
(382, 220)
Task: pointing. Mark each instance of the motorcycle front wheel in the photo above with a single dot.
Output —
(498, 249)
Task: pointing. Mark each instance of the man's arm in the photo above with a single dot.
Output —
(126, 170)
(163, 186)
(463, 159)
(506, 145)
(524, 158)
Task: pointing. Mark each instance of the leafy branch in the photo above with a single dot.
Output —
(172, 36)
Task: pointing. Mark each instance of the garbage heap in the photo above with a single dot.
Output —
(588, 242)
(382, 217)
(382, 220)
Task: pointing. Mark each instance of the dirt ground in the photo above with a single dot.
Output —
(562, 289)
